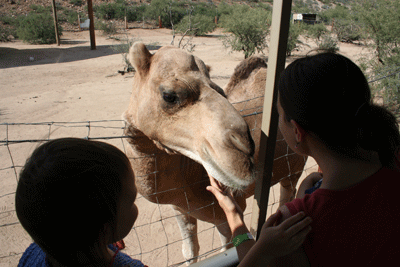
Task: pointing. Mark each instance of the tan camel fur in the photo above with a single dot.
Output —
(182, 125)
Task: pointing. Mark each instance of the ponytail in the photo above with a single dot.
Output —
(378, 130)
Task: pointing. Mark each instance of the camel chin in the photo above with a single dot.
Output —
(233, 182)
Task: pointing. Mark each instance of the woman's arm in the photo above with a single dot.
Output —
(274, 241)
(234, 216)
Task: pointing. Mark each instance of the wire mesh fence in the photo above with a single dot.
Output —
(155, 238)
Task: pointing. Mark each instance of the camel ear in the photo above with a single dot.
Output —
(140, 58)
(208, 68)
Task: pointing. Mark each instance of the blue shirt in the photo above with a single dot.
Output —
(34, 256)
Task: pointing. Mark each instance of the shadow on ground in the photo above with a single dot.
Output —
(11, 57)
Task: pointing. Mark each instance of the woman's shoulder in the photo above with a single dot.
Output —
(32, 257)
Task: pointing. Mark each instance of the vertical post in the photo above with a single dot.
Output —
(159, 22)
(56, 22)
(126, 21)
(276, 64)
(91, 26)
(216, 20)
(79, 22)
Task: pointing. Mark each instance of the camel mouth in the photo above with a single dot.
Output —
(229, 180)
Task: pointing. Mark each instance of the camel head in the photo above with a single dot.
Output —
(176, 105)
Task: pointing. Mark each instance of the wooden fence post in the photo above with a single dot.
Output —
(276, 64)
(56, 22)
(91, 26)
(79, 23)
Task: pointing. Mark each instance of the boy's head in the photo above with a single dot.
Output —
(69, 194)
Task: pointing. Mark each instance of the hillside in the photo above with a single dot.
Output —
(23, 7)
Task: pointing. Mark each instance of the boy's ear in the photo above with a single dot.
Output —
(299, 131)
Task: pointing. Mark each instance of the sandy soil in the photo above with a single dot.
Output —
(71, 83)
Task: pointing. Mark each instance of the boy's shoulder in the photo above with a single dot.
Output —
(33, 256)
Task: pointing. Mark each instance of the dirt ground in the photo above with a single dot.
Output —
(71, 83)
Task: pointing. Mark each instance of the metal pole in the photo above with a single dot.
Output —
(56, 22)
(276, 64)
(223, 259)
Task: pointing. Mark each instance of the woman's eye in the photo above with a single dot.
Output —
(170, 97)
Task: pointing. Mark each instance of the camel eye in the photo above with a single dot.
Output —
(170, 97)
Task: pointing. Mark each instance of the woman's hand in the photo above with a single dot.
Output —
(225, 198)
(233, 212)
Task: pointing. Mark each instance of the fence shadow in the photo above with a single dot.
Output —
(12, 57)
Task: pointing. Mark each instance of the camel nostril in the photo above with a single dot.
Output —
(243, 143)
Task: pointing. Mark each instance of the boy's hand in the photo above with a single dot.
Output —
(285, 237)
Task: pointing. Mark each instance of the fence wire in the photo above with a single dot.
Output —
(153, 234)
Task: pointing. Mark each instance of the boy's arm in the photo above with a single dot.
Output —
(307, 183)
(275, 241)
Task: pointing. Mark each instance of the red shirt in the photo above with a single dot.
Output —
(359, 226)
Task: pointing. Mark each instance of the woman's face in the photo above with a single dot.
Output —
(127, 210)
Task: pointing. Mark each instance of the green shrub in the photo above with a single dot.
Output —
(248, 29)
(328, 43)
(379, 20)
(205, 9)
(224, 9)
(8, 20)
(6, 33)
(316, 31)
(171, 12)
(347, 30)
(339, 12)
(196, 25)
(135, 12)
(109, 11)
(108, 27)
(69, 15)
(37, 28)
(77, 2)
(293, 39)
(41, 9)
(8, 27)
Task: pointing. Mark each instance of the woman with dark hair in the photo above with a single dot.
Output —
(326, 112)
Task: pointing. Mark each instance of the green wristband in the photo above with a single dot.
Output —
(239, 239)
